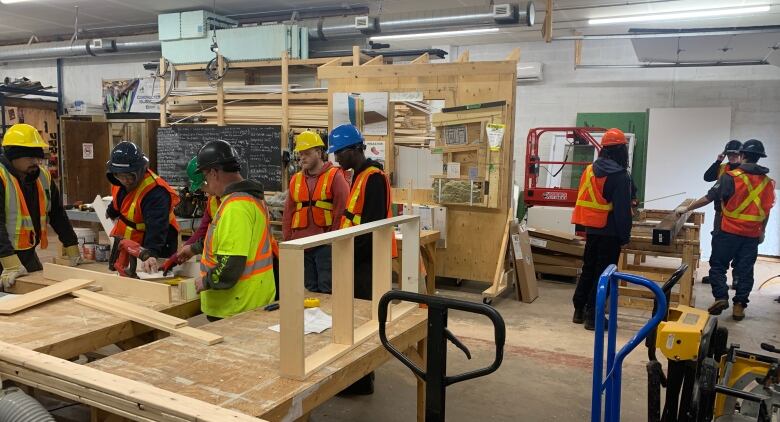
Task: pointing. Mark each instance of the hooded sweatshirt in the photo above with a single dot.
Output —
(618, 191)
(724, 188)
(340, 189)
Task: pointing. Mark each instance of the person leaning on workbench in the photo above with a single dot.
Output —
(604, 207)
(746, 195)
(315, 203)
(237, 263)
(713, 173)
(31, 201)
(142, 205)
(369, 200)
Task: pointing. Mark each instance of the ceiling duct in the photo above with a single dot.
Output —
(85, 48)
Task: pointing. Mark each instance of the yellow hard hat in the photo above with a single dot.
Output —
(308, 139)
(24, 135)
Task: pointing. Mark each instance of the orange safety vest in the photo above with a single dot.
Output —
(18, 222)
(130, 224)
(591, 209)
(744, 213)
(357, 197)
(321, 203)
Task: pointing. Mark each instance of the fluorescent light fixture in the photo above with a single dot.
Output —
(12, 1)
(440, 34)
(688, 14)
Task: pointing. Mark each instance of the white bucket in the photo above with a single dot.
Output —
(84, 236)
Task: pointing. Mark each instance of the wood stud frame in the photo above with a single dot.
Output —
(293, 361)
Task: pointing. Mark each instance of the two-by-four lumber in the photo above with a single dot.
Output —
(665, 231)
(99, 388)
(27, 300)
(110, 283)
(146, 316)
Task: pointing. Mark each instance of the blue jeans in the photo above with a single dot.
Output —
(740, 250)
(317, 269)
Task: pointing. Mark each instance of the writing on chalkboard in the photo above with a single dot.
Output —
(260, 149)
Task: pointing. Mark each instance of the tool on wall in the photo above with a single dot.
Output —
(435, 374)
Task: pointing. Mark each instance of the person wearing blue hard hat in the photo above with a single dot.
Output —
(369, 200)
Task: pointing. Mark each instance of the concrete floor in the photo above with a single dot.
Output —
(546, 373)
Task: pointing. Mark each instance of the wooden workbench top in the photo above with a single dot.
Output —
(64, 328)
(242, 373)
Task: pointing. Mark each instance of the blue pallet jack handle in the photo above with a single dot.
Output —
(610, 385)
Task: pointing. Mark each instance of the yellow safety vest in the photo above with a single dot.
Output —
(18, 222)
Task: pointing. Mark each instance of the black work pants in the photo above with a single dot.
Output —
(600, 252)
(741, 252)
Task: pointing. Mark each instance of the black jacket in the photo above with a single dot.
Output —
(374, 207)
(711, 174)
(229, 268)
(617, 190)
(161, 238)
(58, 219)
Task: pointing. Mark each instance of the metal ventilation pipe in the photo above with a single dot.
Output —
(80, 49)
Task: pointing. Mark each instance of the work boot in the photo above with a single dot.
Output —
(738, 313)
(705, 279)
(361, 387)
(718, 306)
(590, 324)
(579, 316)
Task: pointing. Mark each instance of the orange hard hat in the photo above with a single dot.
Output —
(613, 137)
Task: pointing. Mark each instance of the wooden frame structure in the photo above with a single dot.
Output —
(459, 83)
(292, 359)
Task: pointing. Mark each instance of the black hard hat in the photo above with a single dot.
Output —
(216, 153)
(732, 146)
(753, 146)
(126, 157)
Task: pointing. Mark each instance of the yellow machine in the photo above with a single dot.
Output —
(679, 337)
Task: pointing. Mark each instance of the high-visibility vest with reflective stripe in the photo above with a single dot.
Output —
(212, 205)
(18, 222)
(256, 286)
(320, 201)
(744, 213)
(357, 197)
(591, 209)
(722, 169)
(130, 208)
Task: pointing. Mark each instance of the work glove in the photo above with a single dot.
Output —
(150, 265)
(12, 268)
(200, 285)
(682, 209)
(73, 255)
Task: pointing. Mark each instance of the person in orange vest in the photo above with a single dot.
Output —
(717, 169)
(142, 205)
(31, 202)
(746, 195)
(603, 207)
(369, 200)
(315, 203)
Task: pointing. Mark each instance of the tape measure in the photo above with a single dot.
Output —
(311, 302)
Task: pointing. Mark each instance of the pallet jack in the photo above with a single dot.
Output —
(435, 373)
(705, 380)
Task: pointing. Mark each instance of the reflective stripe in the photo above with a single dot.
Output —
(588, 185)
(355, 204)
(18, 221)
(320, 201)
(752, 197)
(722, 170)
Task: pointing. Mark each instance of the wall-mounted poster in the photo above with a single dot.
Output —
(366, 110)
(138, 95)
(375, 150)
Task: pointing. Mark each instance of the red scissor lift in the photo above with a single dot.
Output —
(553, 196)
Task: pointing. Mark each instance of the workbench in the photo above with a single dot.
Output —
(242, 373)
(66, 329)
(428, 240)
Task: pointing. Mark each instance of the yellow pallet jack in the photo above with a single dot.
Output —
(705, 380)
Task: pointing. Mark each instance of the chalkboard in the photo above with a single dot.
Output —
(260, 149)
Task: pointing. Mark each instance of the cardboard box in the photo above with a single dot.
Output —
(520, 247)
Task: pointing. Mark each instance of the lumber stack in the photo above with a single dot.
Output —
(412, 123)
(309, 113)
(557, 253)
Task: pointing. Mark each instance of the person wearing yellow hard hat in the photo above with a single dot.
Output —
(31, 202)
(315, 203)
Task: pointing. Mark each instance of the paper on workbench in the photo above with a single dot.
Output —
(314, 321)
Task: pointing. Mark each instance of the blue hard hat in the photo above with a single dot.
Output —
(342, 137)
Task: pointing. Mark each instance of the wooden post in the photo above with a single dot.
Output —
(355, 55)
(464, 57)
(343, 257)
(220, 92)
(291, 358)
(547, 28)
(410, 270)
(285, 97)
(577, 52)
(164, 104)
(381, 271)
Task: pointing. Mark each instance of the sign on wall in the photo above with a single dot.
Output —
(137, 95)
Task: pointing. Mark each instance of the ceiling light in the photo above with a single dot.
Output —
(440, 34)
(12, 1)
(689, 14)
